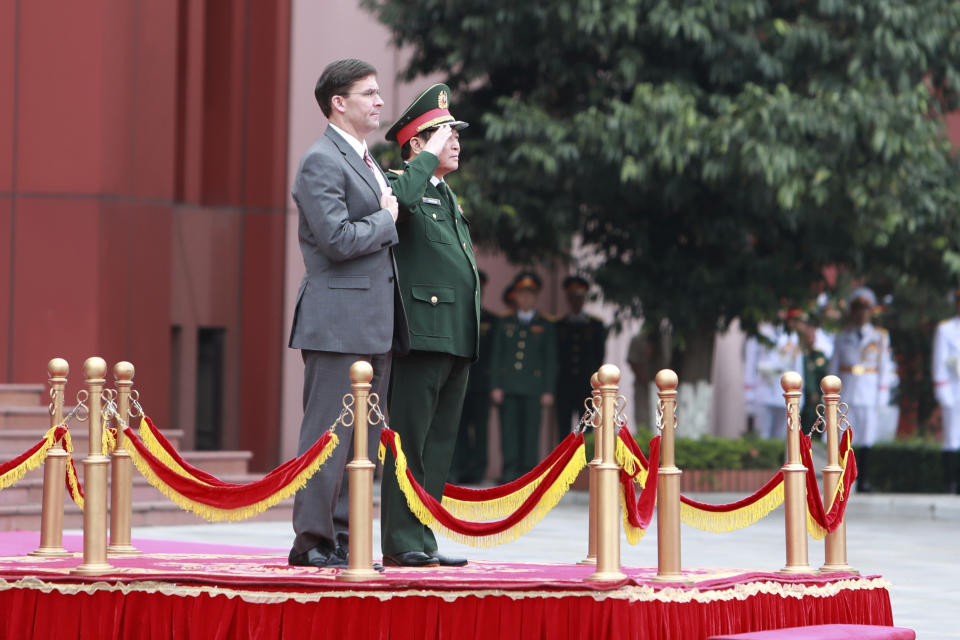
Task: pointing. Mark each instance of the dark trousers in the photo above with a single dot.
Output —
(470, 457)
(519, 434)
(570, 398)
(426, 396)
(321, 510)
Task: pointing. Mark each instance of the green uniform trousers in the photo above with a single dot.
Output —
(519, 434)
(426, 397)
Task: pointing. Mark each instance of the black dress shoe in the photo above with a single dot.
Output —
(343, 552)
(448, 561)
(316, 557)
(410, 559)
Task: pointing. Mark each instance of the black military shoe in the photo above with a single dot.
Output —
(316, 557)
(410, 559)
(448, 561)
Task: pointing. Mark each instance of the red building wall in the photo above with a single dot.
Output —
(142, 186)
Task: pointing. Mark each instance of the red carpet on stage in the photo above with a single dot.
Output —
(188, 590)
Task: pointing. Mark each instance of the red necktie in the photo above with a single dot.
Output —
(368, 160)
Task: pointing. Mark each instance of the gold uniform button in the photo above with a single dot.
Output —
(523, 334)
(519, 355)
(464, 244)
(433, 299)
(434, 216)
(518, 366)
(521, 344)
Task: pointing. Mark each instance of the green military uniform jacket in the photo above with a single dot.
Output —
(524, 358)
(438, 277)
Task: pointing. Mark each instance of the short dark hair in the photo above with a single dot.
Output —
(406, 151)
(337, 79)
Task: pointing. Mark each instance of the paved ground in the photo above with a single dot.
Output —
(913, 541)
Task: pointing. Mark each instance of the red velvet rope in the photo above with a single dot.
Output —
(640, 510)
(478, 529)
(464, 494)
(627, 438)
(6, 467)
(226, 495)
(832, 519)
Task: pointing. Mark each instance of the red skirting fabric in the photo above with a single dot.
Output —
(39, 613)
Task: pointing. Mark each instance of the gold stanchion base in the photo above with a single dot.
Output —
(797, 569)
(605, 576)
(359, 575)
(672, 577)
(123, 550)
(837, 568)
(92, 569)
(50, 552)
(588, 560)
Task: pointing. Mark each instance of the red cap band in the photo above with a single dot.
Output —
(413, 128)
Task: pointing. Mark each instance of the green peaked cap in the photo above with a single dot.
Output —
(429, 111)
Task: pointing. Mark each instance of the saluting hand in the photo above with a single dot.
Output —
(439, 138)
(389, 202)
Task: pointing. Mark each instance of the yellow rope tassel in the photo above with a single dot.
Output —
(630, 463)
(495, 509)
(154, 447)
(211, 513)
(813, 527)
(109, 442)
(634, 534)
(16, 474)
(717, 522)
(549, 500)
(73, 484)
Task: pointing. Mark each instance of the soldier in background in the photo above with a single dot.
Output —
(863, 360)
(470, 457)
(817, 346)
(767, 356)
(580, 346)
(523, 369)
(946, 387)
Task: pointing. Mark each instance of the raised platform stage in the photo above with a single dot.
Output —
(203, 591)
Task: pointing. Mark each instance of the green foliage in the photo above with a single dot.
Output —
(912, 466)
(716, 155)
(717, 453)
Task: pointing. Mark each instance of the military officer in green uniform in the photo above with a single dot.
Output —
(523, 369)
(470, 456)
(581, 339)
(440, 289)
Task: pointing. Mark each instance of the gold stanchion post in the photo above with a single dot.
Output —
(608, 472)
(668, 483)
(121, 471)
(592, 473)
(794, 480)
(835, 544)
(54, 470)
(360, 567)
(94, 478)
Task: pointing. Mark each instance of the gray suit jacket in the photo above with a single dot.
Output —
(346, 302)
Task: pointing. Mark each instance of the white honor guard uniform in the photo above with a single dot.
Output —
(946, 379)
(863, 360)
(765, 361)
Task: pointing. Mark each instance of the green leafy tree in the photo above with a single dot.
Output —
(717, 155)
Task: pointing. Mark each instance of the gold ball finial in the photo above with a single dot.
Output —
(830, 384)
(123, 371)
(94, 368)
(608, 374)
(58, 368)
(666, 379)
(595, 381)
(791, 381)
(361, 371)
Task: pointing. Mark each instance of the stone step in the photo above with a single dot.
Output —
(29, 490)
(25, 417)
(23, 394)
(13, 442)
(144, 514)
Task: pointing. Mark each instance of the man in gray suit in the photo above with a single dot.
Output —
(346, 309)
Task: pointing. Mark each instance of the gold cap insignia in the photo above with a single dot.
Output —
(442, 100)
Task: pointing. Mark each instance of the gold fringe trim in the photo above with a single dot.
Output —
(495, 509)
(109, 441)
(644, 593)
(717, 522)
(630, 463)
(816, 531)
(813, 527)
(153, 446)
(634, 534)
(13, 476)
(549, 500)
(217, 514)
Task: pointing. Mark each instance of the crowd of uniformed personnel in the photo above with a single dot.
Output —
(528, 363)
